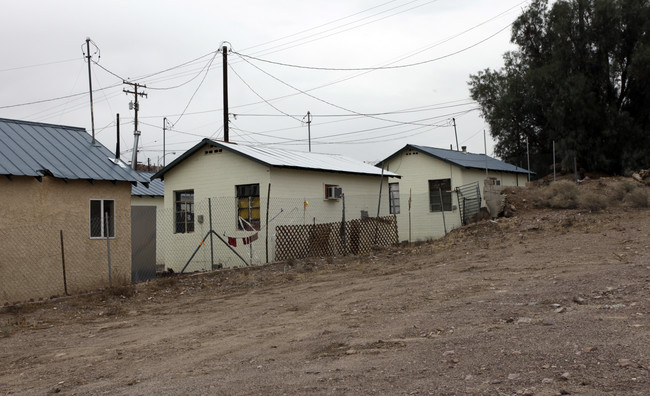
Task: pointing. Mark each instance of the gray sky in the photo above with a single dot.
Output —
(151, 43)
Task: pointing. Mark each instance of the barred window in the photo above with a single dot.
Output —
(393, 197)
(435, 188)
(184, 211)
(101, 212)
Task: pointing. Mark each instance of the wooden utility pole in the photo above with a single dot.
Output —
(224, 52)
(136, 107)
(455, 133)
(90, 87)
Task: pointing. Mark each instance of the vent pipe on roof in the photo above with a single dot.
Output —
(464, 149)
(117, 144)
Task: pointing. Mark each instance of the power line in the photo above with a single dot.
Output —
(427, 108)
(260, 96)
(378, 67)
(38, 65)
(324, 101)
(207, 68)
(347, 24)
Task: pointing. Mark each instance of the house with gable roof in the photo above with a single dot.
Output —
(241, 182)
(441, 189)
(65, 200)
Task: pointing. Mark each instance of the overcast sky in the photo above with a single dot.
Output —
(171, 47)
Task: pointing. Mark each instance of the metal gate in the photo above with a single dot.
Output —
(143, 243)
(469, 200)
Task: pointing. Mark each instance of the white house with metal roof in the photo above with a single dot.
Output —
(440, 189)
(60, 191)
(243, 181)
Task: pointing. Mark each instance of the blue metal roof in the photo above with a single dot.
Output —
(464, 159)
(286, 159)
(156, 187)
(37, 149)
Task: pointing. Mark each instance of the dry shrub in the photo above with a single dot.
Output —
(122, 291)
(592, 201)
(561, 194)
(637, 198)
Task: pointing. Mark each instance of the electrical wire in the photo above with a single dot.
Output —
(38, 65)
(260, 96)
(379, 67)
(345, 30)
(195, 91)
(326, 102)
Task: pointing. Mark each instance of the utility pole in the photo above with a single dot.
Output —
(455, 133)
(90, 85)
(224, 53)
(164, 132)
(528, 157)
(136, 107)
(309, 129)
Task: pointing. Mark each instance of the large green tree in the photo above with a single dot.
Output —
(580, 77)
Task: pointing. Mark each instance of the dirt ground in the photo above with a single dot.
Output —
(548, 302)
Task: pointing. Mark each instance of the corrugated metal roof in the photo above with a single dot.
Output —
(465, 160)
(37, 149)
(156, 187)
(287, 159)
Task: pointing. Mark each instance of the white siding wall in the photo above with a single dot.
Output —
(216, 175)
(416, 170)
(213, 175)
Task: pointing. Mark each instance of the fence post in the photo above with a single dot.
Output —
(442, 211)
(345, 244)
(211, 245)
(65, 282)
(410, 196)
(268, 200)
(108, 249)
(553, 160)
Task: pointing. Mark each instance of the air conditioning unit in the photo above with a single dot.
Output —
(333, 192)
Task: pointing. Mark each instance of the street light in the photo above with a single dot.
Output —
(163, 157)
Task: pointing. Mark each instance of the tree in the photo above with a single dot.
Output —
(580, 77)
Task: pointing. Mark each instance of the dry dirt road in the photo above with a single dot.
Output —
(547, 303)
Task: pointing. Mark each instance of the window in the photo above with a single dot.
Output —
(333, 191)
(393, 197)
(101, 211)
(435, 188)
(493, 181)
(184, 211)
(248, 207)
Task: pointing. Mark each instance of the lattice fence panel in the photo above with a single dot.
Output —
(330, 239)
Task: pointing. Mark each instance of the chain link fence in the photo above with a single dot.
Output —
(54, 259)
(59, 258)
(227, 232)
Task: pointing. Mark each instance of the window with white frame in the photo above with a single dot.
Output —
(393, 197)
(184, 211)
(102, 218)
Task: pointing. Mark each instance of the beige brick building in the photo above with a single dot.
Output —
(64, 202)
